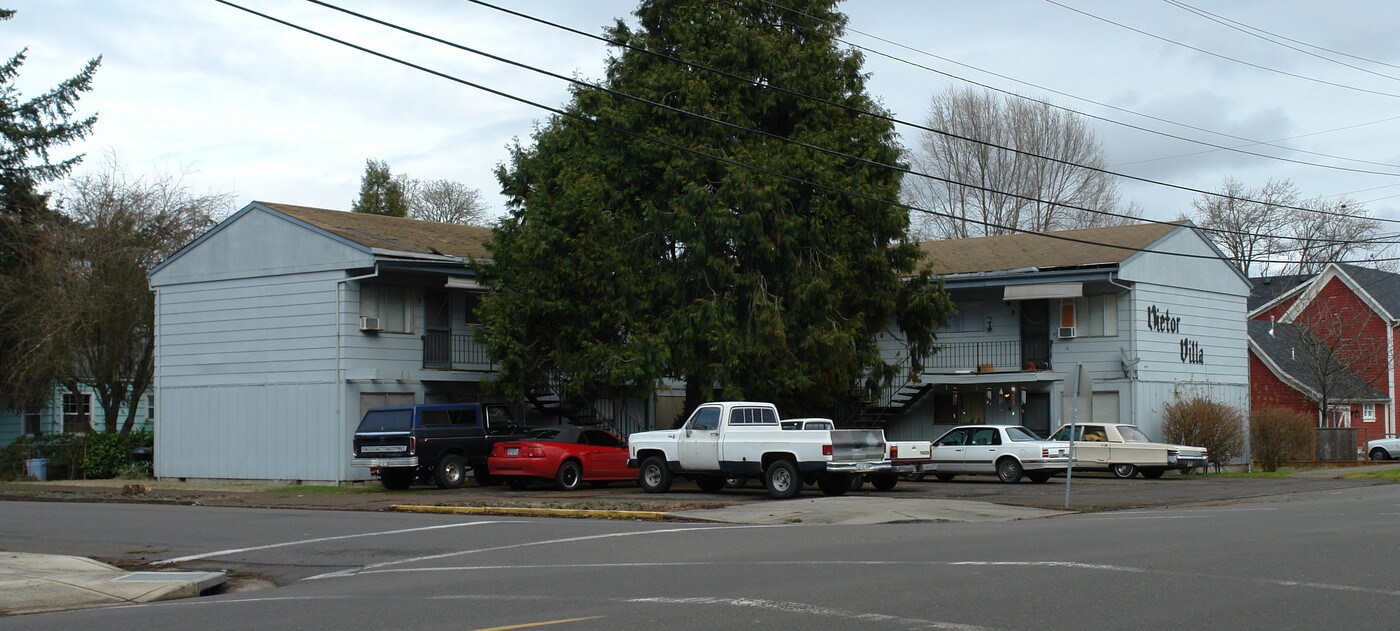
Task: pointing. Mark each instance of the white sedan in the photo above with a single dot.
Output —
(1383, 448)
(1009, 451)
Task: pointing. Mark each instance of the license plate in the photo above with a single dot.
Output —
(862, 466)
(512, 451)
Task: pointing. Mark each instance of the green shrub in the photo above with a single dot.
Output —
(64, 453)
(1277, 435)
(109, 453)
(1201, 422)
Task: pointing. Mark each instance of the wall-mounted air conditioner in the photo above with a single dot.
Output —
(1066, 332)
(370, 324)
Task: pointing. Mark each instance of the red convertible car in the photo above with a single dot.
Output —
(567, 454)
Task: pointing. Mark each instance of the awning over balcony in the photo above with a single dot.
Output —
(1043, 291)
(462, 282)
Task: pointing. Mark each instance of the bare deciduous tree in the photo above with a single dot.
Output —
(444, 201)
(1334, 354)
(984, 190)
(1245, 222)
(120, 227)
(1273, 228)
(1343, 230)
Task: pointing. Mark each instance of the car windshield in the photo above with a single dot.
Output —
(1021, 435)
(543, 434)
(386, 421)
(1132, 434)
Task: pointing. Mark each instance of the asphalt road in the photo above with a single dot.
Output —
(1323, 559)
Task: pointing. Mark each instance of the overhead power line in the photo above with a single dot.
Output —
(890, 119)
(1235, 26)
(1225, 57)
(1093, 102)
(590, 121)
(709, 119)
(1201, 11)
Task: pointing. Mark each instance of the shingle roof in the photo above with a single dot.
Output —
(1279, 347)
(1383, 286)
(394, 233)
(1019, 251)
(1266, 289)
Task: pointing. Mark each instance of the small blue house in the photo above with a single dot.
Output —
(68, 413)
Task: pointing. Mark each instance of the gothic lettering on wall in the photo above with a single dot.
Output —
(1160, 321)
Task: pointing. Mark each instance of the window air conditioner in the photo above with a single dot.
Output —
(370, 323)
(1066, 332)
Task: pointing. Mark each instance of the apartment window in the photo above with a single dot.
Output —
(150, 408)
(473, 303)
(1095, 315)
(77, 410)
(32, 423)
(971, 317)
(391, 304)
(1368, 412)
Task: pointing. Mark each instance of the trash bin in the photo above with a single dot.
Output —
(37, 468)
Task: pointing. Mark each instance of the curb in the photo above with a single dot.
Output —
(576, 513)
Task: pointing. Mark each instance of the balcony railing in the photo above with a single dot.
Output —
(455, 351)
(955, 356)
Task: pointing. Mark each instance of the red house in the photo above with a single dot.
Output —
(1325, 344)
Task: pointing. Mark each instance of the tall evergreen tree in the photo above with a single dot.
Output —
(31, 131)
(380, 193)
(624, 261)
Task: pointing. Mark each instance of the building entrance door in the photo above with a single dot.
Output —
(1035, 332)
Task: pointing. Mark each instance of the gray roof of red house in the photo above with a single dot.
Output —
(1278, 341)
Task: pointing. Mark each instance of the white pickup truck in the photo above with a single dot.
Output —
(742, 439)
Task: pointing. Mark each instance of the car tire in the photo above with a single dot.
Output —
(735, 483)
(710, 485)
(1009, 470)
(835, 483)
(943, 477)
(783, 480)
(517, 484)
(450, 472)
(1153, 473)
(884, 481)
(396, 479)
(654, 476)
(1039, 477)
(916, 476)
(1380, 454)
(1124, 471)
(569, 476)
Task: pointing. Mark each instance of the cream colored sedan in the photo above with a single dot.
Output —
(1125, 451)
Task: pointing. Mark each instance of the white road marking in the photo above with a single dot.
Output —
(284, 544)
(446, 555)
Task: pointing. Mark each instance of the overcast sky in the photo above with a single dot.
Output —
(264, 112)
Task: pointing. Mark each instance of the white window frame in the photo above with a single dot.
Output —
(378, 301)
(150, 408)
(1368, 412)
(81, 410)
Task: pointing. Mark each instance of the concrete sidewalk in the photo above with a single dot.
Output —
(34, 583)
